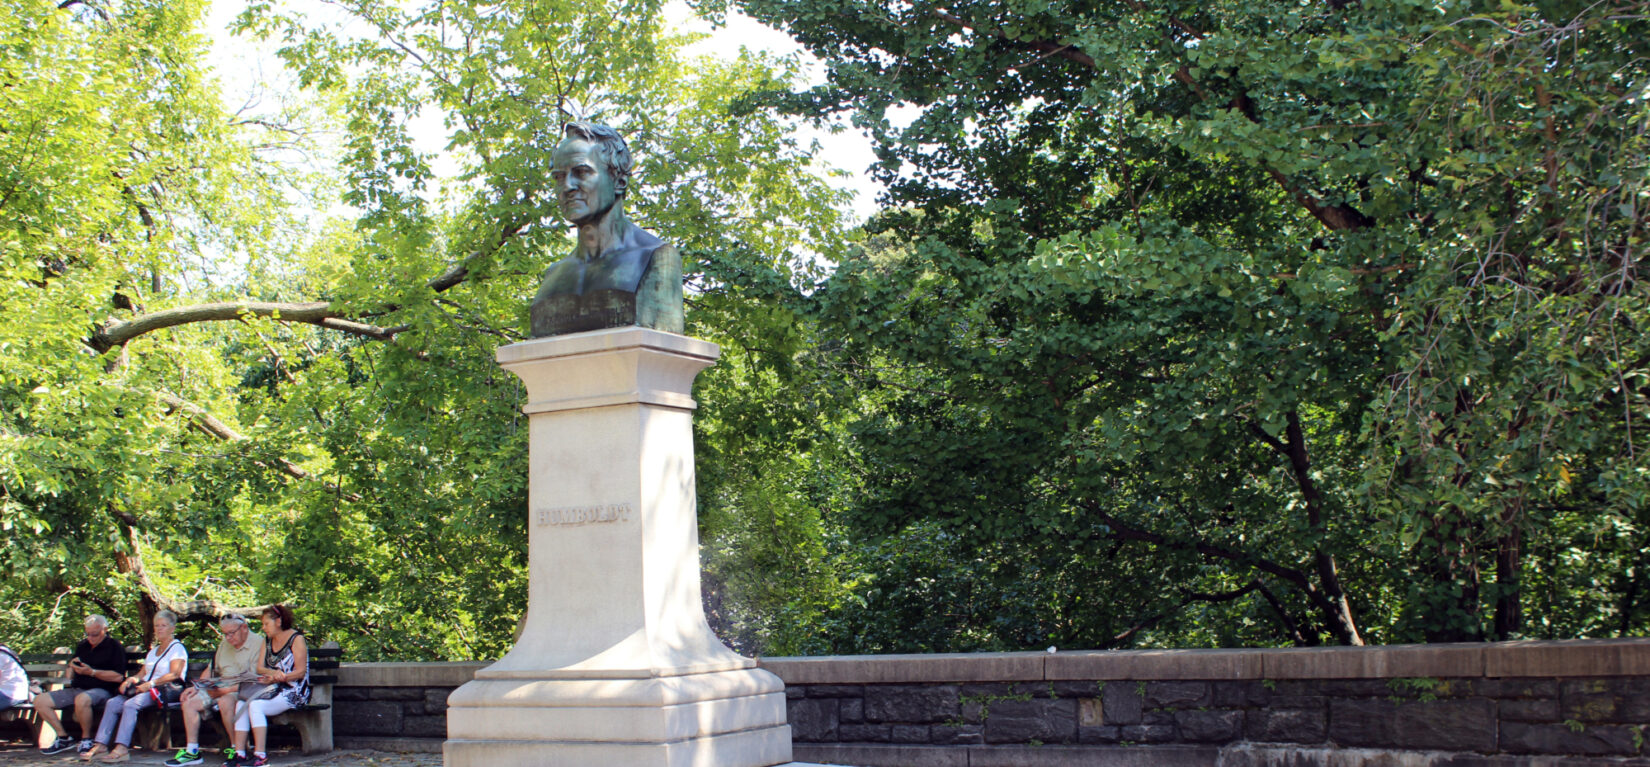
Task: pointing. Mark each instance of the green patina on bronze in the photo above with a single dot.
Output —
(618, 274)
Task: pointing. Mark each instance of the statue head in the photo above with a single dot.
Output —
(591, 168)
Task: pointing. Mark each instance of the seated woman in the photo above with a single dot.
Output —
(155, 684)
(286, 666)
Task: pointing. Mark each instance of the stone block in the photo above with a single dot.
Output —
(1089, 713)
(813, 720)
(1596, 740)
(424, 727)
(1212, 726)
(1158, 716)
(1298, 701)
(1517, 688)
(435, 699)
(875, 755)
(1376, 662)
(835, 690)
(1099, 734)
(911, 704)
(399, 674)
(909, 669)
(1569, 658)
(1120, 704)
(795, 693)
(1148, 733)
(977, 690)
(1611, 699)
(852, 710)
(1073, 689)
(352, 693)
(398, 693)
(1286, 725)
(864, 733)
(1354, 688)
(1083, 756)
(1049, 721)
(367, 718)
(1131, 665)
(1529, 710)
(956, 734)
(1441, 724)
(1244, 694)
(1177, 694)
(909, 733)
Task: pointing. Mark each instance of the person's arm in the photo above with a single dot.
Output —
(135, 680)
(300, 659)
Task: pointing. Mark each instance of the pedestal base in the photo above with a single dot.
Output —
(719, 719)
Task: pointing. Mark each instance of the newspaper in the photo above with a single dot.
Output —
(221, 682)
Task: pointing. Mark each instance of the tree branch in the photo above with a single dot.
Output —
(319, 313)
(212, 426)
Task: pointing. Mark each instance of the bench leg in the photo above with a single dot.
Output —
(314, 729)
(154, 730)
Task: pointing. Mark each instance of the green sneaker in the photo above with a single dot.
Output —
(185, 759)
(228, 754)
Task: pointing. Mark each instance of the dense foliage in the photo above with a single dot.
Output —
(1246, 323)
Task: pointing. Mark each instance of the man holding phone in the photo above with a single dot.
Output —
(97, 668)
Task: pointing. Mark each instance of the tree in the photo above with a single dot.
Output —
(218, 395)
(1274, 323)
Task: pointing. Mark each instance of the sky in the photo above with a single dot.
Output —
(243, 65)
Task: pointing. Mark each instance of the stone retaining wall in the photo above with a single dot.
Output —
(1516, 704)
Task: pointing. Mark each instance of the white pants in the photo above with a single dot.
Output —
(256, 713)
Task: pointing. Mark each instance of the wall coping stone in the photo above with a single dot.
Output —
(409, 674)
(1563, 658)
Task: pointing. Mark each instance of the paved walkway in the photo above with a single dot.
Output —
(18, 756)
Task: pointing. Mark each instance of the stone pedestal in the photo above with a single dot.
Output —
(616, 664)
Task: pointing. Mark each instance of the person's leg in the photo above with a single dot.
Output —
(46, 706)
(111, 718)
(192, 707)
(261, 711)
(226, 712)
(84, 704)
(128, 721)
(243, 722)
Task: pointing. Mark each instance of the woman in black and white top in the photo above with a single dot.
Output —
(285, 666)
(156, 683)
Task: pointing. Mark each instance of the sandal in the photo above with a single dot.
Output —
(96, 749)
(120, 754)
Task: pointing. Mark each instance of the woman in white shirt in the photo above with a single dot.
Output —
(157, 683)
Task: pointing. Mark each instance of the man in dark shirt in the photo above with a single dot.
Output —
(98, 666)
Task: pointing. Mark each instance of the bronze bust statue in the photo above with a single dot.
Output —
(618, 274)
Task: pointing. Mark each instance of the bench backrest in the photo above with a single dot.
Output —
(323, 663)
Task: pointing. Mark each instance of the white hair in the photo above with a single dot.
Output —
(97, 620)
(168, 616)
(232, 619)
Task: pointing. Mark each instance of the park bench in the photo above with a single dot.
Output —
(313, 721)
(51, 671)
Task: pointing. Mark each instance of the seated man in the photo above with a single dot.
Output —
(98, 665)
(219, 686)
